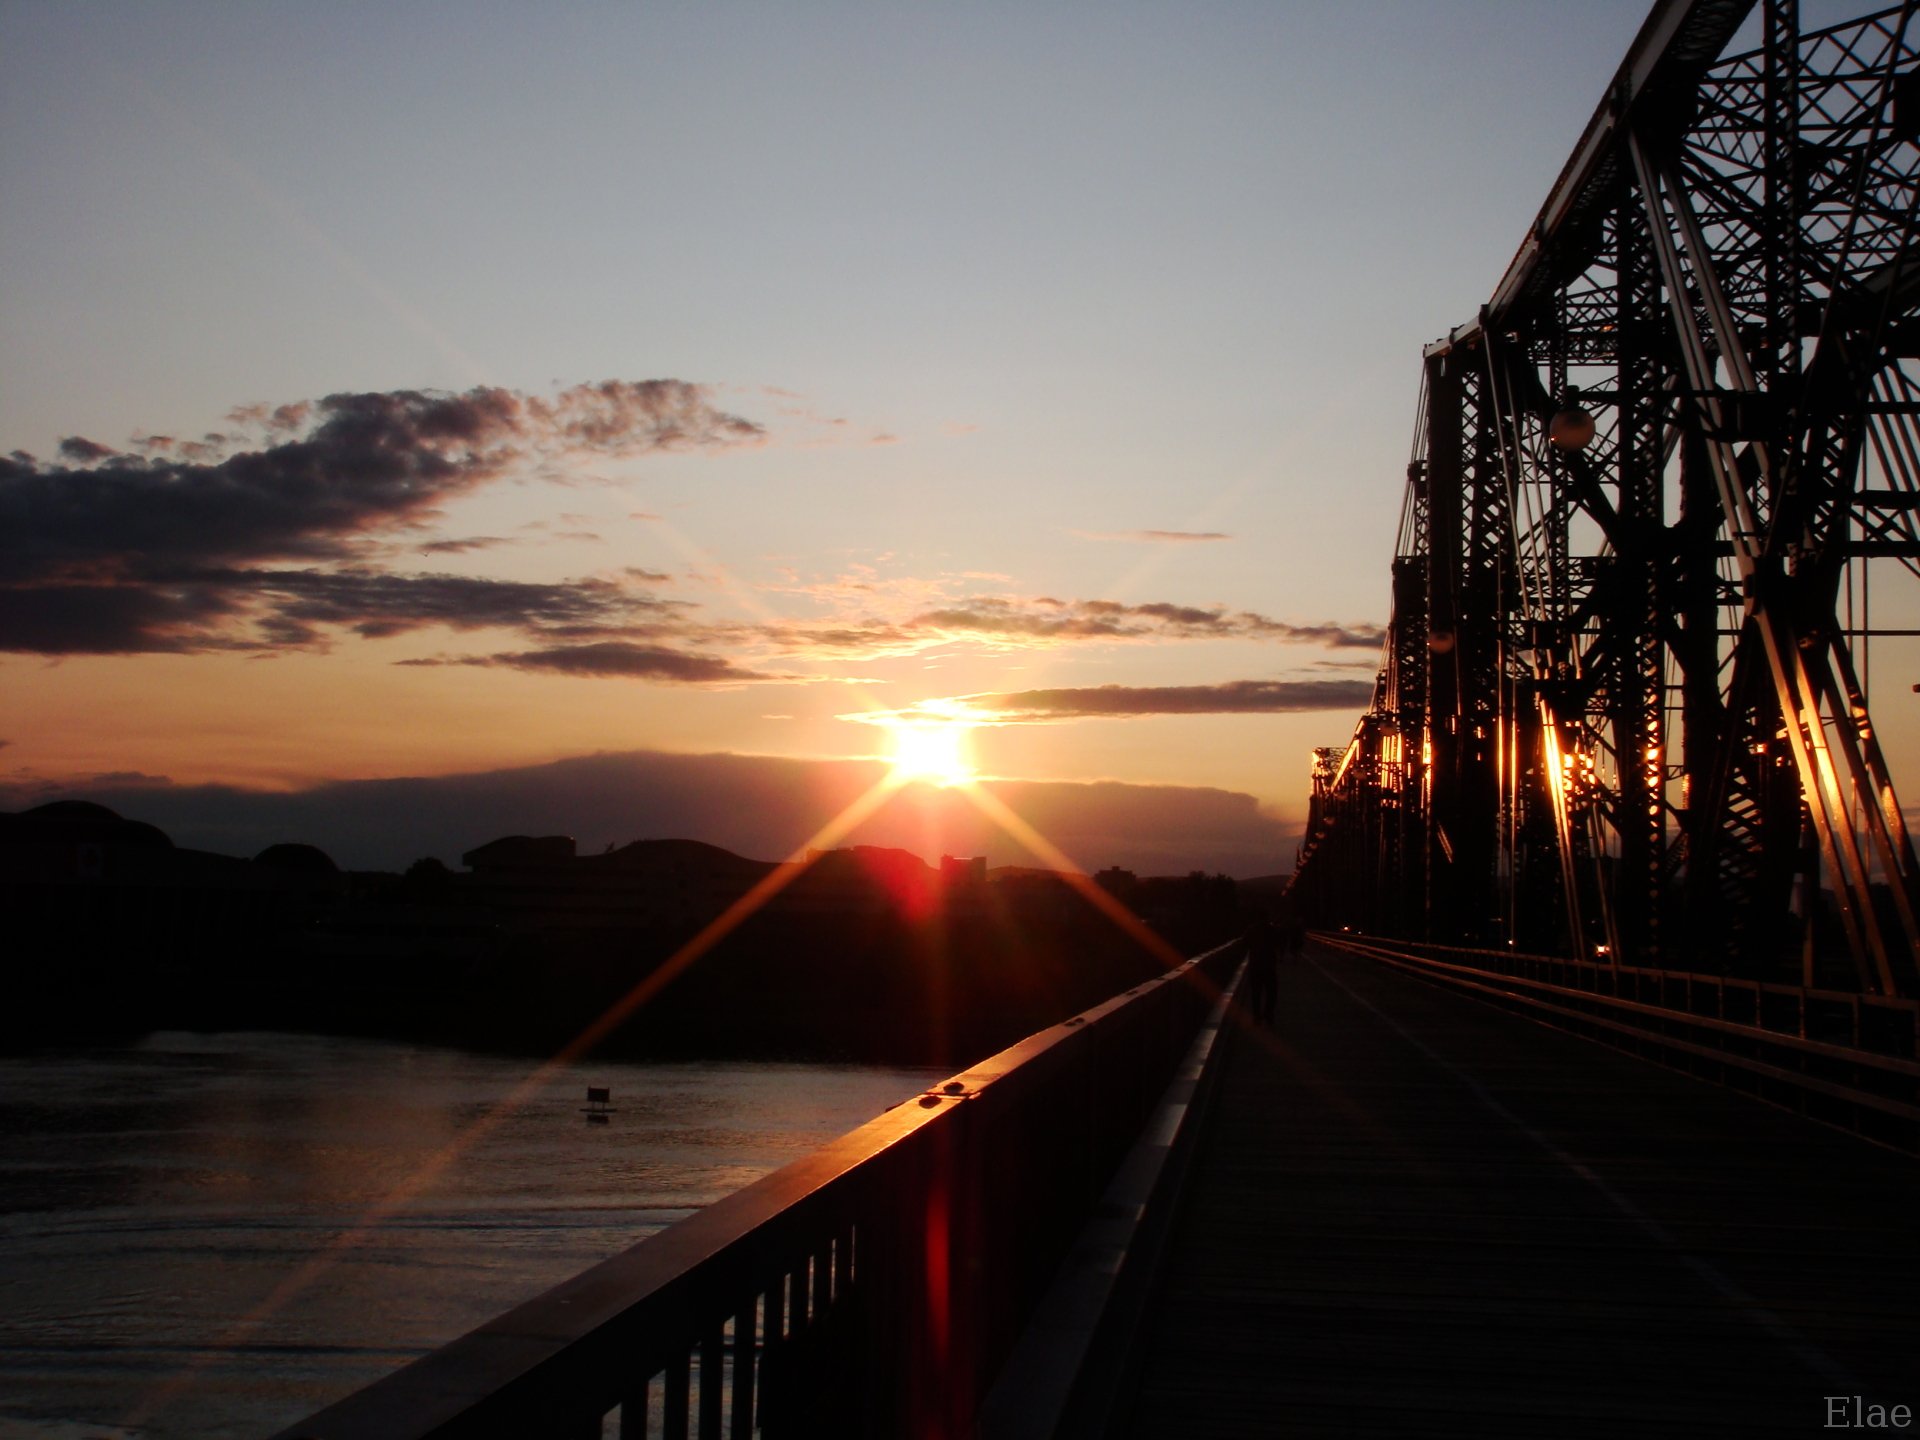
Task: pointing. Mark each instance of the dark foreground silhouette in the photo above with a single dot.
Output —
(863, 954)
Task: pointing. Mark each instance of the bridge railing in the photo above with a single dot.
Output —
(872, 1288)
(1852, 1060)
(1884, 1024)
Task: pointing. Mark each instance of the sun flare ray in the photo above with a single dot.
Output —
(1036, 844)
(550, 1070)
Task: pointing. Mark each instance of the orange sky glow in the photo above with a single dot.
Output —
(372, 423)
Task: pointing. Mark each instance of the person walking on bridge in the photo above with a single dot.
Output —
(1262, 946)
(1293, 933)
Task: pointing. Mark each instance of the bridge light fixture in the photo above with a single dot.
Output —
(1572, 427)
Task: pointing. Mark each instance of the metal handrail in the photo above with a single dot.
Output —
(1873, 1093)
(1897, 1031)
(871, 1288)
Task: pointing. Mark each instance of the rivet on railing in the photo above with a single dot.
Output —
(952, 1090)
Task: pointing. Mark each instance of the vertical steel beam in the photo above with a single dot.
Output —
(1445, 511)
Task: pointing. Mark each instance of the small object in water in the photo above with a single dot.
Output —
(599, 1103)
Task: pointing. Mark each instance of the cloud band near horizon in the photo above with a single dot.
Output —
(1233, 697)
(758, 806)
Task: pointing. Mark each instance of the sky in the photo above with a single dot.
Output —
(428, 401)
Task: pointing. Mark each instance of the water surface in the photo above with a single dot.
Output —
(181, 1255)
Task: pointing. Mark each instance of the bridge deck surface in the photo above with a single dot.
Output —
(1414, 1214)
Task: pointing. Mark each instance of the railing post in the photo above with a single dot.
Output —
(890, 1312)
(712, 1385)
(746, 1325)
(674, 1402)
(633, 1411)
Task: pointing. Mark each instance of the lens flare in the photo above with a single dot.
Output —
(934, 751)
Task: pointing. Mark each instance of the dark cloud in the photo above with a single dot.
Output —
(84, 451)
(757, 806)
(115, 619)
(620, 659)
(1352, 637)
(462, 547)
(1230, 698)
(112, 553)
(375, 604)
(254, 609)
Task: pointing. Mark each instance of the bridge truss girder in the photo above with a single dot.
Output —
(1622, 712)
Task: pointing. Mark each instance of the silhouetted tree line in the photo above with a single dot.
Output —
(863, 953)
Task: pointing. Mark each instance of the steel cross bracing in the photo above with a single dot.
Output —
(1624, 705)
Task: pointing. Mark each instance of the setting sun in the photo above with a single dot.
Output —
(932, 751)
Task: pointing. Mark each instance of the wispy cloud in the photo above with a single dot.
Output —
(817, 428)
(1233, 697)
(618, 659)
(1155, 537)
(993, 624)
(1006, 623)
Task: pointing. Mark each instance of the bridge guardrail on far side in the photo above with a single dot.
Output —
(1850, 1060)
(871, 1289)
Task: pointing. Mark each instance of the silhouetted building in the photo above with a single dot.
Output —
(956, 871)
(864, 879)
(1038, 895)
(540, 884)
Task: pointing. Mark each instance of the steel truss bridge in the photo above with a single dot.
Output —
(1663, 490)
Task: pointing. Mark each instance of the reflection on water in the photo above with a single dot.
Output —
(153, 1197)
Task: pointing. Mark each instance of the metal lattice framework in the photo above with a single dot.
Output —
(1623, 710)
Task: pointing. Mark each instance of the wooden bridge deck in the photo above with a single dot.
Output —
(1411, 1214)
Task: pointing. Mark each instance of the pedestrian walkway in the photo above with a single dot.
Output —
(1412, 1214)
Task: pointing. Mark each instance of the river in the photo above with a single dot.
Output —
(208, 1236)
